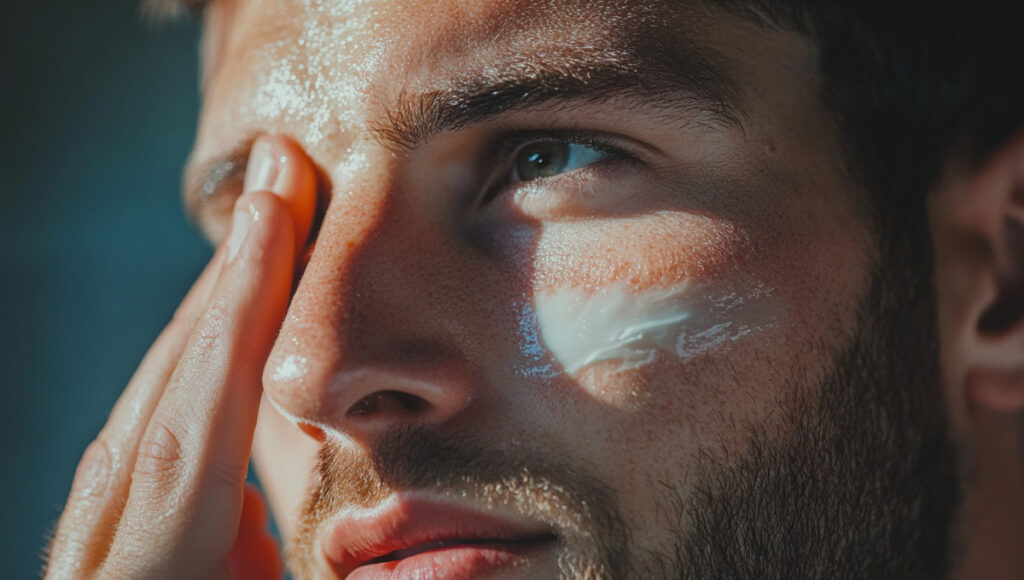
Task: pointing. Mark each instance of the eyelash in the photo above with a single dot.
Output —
(509, 146)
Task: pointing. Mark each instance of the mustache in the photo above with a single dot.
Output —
(580, 509)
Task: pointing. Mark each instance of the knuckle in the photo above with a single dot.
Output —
(160, 458)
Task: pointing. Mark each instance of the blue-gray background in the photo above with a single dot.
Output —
(97, 114)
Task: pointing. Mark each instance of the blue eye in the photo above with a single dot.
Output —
(549, 158)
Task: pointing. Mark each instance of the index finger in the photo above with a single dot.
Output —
(187, 486)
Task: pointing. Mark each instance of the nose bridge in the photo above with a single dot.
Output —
(315, 332)
(351, 355)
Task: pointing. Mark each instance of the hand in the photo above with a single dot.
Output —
(161, 491)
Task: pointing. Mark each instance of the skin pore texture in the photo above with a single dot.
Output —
(676, 360)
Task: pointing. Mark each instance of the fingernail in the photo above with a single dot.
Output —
(239, 229)
(262, 168)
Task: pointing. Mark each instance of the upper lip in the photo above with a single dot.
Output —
(356, 537)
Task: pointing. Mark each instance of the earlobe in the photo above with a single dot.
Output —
(978, 228)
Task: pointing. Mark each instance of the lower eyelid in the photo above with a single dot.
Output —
(570, 186)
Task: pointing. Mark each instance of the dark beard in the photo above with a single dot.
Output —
(868, 483)
(860, 483)
(865, 487)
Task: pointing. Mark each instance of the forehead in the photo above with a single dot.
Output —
(410, 38)
(331, 62)
(327, 72)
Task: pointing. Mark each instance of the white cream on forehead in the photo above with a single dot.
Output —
(614, 323)
(317, 77)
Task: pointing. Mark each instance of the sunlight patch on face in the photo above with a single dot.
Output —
(315, 76)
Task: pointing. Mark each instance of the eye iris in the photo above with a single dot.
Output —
(542, 160)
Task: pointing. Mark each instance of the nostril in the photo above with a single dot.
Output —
(388, 402)
(313, 431)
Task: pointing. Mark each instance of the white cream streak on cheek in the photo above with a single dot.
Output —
(613, 323)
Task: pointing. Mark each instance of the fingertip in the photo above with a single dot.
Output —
(278, 165)
(263, 221)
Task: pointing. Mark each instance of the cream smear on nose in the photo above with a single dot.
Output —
(292, 368)
(578, 328)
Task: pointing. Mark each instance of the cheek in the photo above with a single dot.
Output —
(684, 321)
(666, 290)
(650, 251)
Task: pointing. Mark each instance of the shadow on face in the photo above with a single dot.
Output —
(484, 157)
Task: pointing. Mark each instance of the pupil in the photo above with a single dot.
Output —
(542, 160)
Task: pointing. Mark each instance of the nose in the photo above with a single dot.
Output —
(364, 403)
(369, 342)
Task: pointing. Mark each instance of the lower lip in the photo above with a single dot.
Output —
(467, 561)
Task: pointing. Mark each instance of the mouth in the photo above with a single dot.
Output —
(415, 537)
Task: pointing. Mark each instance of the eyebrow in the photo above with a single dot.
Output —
(646, 77)
(692, 84)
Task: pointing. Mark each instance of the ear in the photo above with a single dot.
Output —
(977, 219)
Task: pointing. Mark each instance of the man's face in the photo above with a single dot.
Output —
(592, 291)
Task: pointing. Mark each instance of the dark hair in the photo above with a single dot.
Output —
(910, 82)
